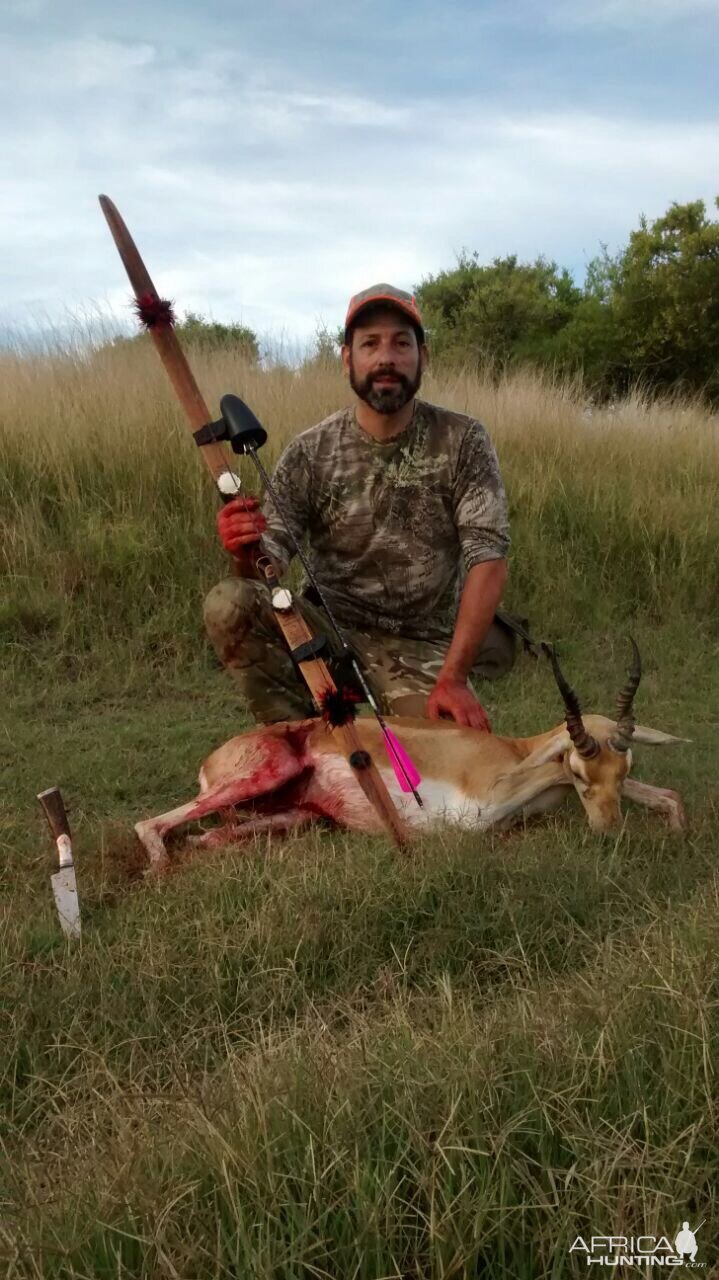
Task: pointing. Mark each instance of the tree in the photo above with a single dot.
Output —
(650, 314)
(196, 331)
(647, 315)
(664, 296)
(503, 313)
(326, 352)
(590, 343)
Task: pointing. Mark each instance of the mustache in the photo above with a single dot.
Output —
(388, 373)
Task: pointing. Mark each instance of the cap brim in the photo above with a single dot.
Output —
(395, 303)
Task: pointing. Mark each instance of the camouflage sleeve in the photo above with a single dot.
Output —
(480, 502)
(291, 481)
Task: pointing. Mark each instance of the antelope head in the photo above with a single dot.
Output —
(597, 755)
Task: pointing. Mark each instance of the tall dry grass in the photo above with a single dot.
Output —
(107, 526)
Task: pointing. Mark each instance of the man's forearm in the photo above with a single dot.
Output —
(481, 595)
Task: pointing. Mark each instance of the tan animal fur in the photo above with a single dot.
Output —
(291, 774)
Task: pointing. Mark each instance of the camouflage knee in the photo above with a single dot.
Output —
(237, 613)
(498, 653)
(400, 672)
(241, 625)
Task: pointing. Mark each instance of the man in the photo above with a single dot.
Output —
(406, 517)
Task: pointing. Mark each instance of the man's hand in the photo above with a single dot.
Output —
(453, 698)
(239, 524)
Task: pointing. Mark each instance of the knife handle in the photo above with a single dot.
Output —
(54, 809)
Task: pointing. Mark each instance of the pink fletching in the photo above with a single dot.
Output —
(406, 772)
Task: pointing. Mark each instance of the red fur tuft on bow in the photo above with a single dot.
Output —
(338, 706)
(154, 312)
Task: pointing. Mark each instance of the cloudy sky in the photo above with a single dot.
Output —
(271, 158)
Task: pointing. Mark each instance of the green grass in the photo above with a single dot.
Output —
(316, 1058)
(319, 1059)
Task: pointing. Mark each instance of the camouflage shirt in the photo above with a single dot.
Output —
(392, 528)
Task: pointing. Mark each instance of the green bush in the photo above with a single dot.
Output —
(649, 316)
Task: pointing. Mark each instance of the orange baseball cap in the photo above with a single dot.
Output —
(393, 297)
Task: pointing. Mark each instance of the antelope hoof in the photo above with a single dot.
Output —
(152, 843)
(676, 814)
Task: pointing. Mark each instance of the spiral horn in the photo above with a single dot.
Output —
(584, 743)
(620, 741)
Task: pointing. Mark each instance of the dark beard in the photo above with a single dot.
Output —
(386, 399)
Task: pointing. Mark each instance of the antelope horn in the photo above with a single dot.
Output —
(584, 743)
(625, 717)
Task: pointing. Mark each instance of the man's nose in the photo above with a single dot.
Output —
(385, 352)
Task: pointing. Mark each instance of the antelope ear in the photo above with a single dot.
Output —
(654, 737)
(547, 751)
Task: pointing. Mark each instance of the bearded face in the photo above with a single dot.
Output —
(384, 360)
(385, 389)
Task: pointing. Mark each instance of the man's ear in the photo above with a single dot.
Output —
(345, 354)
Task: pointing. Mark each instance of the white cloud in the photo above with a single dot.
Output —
(257, 195)
(365, 113)
(94, 63)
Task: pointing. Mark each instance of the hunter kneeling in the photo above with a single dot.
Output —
(405, 512)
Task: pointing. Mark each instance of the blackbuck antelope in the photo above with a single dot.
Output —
(290, 774)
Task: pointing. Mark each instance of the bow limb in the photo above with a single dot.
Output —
(164, 337)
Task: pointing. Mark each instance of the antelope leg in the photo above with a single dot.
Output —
(232, 832)
(273, 766)
(514, 793)
(662, 799)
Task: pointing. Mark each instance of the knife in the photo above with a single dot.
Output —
(64, 885)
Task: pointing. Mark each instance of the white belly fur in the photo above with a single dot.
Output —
(442, 802)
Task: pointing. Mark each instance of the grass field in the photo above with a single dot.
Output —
(318, 1059)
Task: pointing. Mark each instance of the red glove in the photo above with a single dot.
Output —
(239, 524)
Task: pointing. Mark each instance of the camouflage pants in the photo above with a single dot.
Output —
(400, 672)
